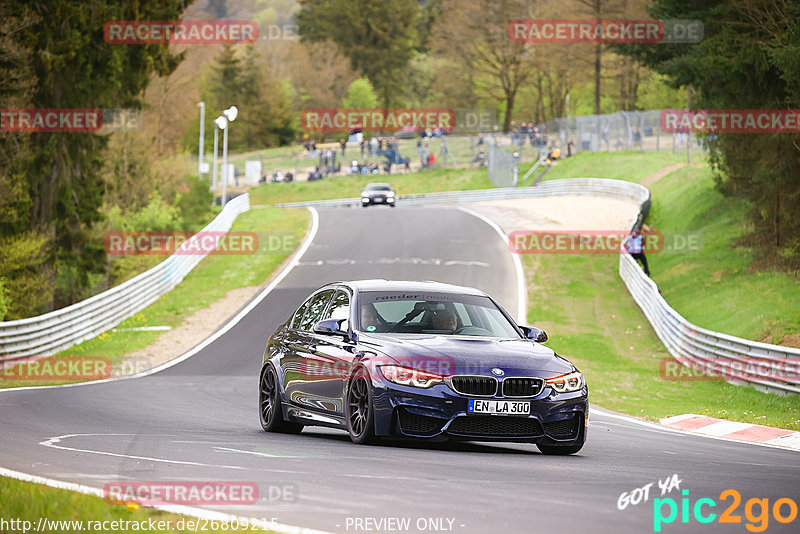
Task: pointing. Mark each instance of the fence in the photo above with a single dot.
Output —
(625, 130)
(60, 329)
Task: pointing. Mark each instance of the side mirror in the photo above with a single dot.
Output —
(536, 334)
(331, 326)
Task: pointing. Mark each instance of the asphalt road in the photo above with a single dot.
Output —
(198, 421)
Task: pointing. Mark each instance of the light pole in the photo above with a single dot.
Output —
(220, 123)
(202, 106)
(230, 115)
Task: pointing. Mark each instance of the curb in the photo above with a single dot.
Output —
(744, 432)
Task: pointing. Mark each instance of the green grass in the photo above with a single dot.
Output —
(631, 166)
(209, 281)
(351, 186)
(715, 288)
(593, 321)
(27, 501)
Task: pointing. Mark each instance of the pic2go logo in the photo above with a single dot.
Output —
(756, 511)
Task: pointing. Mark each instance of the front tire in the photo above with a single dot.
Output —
(559, 450)
(359, 410)
(270, 409)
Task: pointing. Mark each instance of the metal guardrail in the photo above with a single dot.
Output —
(571, 186)
(60, 329)
(771, 367)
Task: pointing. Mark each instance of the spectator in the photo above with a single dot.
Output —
(634, 244)
(373, 145)
(315, 175)
(330, 157)
(343, 144)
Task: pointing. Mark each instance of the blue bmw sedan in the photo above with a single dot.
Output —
(421, 360)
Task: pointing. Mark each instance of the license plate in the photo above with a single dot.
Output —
(499, 407)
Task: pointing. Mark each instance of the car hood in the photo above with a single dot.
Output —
(450, 355)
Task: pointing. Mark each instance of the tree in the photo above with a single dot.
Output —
(477, 39)
(265, 105)
(379, 38)
(360, 95)
(74, 68)
(749, 59)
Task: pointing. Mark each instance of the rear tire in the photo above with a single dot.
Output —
(559, 450)
(359, 410)
(270, 409)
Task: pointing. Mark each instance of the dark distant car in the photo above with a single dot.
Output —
(378, 194)
(419, 360)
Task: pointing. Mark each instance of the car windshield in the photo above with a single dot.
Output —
(379, 188)
(433, 314)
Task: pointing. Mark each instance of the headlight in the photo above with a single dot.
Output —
(566, 383)
(364, 199)
(406, 376)
(390, 194)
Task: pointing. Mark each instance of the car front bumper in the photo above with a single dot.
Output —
(439, 414)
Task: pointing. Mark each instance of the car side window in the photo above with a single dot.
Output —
(315, 309)
(340, 306)
(298, 315)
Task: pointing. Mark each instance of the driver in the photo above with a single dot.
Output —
(369, 317)
(445, 320)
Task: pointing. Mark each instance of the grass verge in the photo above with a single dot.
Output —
(593, 321)
(70, 511)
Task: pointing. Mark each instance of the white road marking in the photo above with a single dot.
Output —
(393, 261)
(522, 289)
(254, 453)
(53, 443)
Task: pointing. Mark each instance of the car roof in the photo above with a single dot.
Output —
(379, 185)
(409, 285)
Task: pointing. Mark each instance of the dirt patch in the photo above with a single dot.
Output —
(791, 340)
(650, 179)
(192, 331)
(568, 212)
